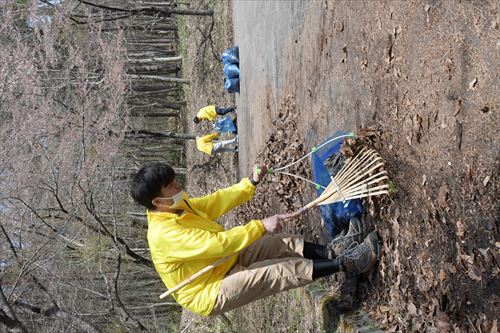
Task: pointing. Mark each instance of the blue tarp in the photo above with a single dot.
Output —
(337, 215)
(225, 124)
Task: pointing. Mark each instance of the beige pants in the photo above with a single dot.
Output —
(268, 266)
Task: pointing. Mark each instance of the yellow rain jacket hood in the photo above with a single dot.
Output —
(181, 245)
(205, 144)
(207, 113)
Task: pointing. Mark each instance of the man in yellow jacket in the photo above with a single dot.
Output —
(211, 111)
(206, 144)
(184, 238)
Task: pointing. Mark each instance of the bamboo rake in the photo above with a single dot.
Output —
(360, 177)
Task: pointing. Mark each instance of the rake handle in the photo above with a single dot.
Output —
(294, 214)
(193, 277)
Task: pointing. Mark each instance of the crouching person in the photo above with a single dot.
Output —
(184, 238)
(210, 112)
(207, 145)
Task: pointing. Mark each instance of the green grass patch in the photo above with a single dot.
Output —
(393, 187)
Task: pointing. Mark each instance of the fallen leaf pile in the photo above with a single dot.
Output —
(282, 148)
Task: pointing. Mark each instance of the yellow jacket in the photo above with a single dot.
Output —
(184, 244)
(205, 144)
(208, 113)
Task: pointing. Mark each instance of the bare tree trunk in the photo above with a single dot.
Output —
(159, 59)
(159, 78)
(155, 114)
(149, 134)
(138, 104)
(177, 11)
(144, 89)
(152, 11)
(155, 69)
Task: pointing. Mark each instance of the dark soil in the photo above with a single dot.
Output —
(424, 76)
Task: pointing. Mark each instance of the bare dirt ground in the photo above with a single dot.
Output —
(424, 75)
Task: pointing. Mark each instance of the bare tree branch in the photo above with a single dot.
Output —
(89, 205)
(126, 318)
(55, 311)
(8, 317)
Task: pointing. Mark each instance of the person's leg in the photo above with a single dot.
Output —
(223, 111)
(316, 251)
(220, 146)
(325, 267)
(262, 279)
(272, 247)
(324, 263)
(228, 142)
(279, 246)
(226, 150)
(357, 259)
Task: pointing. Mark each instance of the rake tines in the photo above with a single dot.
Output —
(360, 177)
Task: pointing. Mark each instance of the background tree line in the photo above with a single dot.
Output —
(90, 91)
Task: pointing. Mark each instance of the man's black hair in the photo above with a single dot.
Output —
(148, 181)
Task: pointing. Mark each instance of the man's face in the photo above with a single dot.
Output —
(171, 189)
(167, 192)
